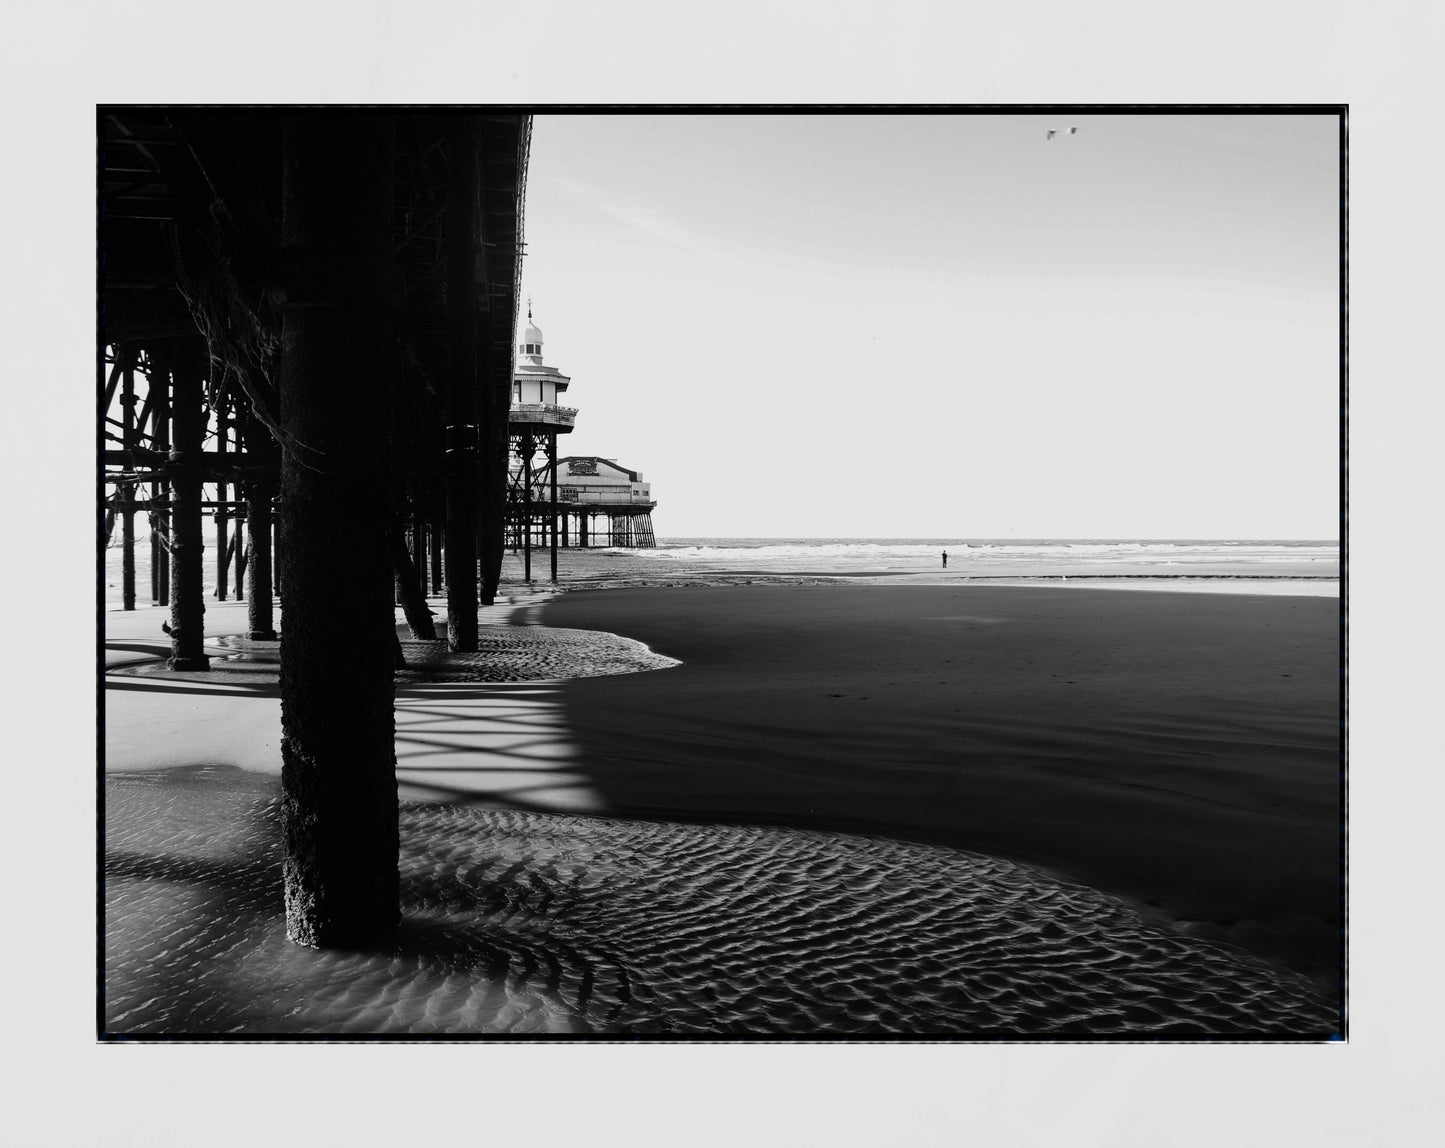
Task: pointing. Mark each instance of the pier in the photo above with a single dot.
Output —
(307, 321)
(556, 502)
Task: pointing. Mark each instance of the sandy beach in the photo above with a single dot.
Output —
(1180, 749)
(725, 803)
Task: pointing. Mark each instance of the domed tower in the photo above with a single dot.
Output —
(535, 386)
(534, 422)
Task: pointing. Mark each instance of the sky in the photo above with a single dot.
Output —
(948, 325)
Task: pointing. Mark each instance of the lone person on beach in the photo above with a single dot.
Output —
(945, 559)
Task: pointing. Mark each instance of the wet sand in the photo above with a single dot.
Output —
(1137, 744)
(1178, 749)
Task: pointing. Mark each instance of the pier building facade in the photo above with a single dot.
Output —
(589, 488)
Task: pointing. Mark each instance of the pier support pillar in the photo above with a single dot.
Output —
(188, 576)
(463, 191)
(158, 381)
(260, 609)
(552, 500)
(495, 444)
(223, 553)
(127, 516)
(241, 537)
(528, 447)
(435, 531)
(409, 593)
(418, 539)
(339, 801)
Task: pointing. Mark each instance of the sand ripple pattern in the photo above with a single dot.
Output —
(505, 654)
(530, 654)
(522, 923)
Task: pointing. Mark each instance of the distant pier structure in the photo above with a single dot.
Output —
(556, 502)
(590, 488)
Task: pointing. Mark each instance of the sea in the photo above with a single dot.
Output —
(1281, 566)
(1180, 561)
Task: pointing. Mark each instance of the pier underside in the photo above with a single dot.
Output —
(307, 322)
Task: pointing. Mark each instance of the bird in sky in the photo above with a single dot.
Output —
(1052, 132)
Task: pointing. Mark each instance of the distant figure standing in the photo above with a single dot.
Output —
(945, 559)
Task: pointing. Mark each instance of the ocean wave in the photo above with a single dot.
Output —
(843, 556)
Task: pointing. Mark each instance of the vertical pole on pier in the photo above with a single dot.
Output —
(463, 189)
(242, 542)
(188, 576)
(337, 377)
(528, 446)
(489, 519)
(418, 536)
(278, 577)
(239, 537)
(494, 444)
(437, 522)
(409, 594)
(159, 382)
(256, 559)
(231, 554)
(222, 515)
(127, 515)
(552, 503)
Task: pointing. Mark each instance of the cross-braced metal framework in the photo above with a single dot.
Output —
(307, 317)
(191, 250)
(531, 512)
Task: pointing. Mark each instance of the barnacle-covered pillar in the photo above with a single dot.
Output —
(339, 801)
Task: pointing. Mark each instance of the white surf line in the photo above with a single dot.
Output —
(521, 609)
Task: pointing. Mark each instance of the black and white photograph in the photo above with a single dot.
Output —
(780, 573)
(807, 573)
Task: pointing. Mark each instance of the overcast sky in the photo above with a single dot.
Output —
(886, 325)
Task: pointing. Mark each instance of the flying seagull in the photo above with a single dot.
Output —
(1052, 132)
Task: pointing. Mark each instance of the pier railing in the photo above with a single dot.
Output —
(546, 414)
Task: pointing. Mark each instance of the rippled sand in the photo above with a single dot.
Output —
(518, 923)
(504, 654)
